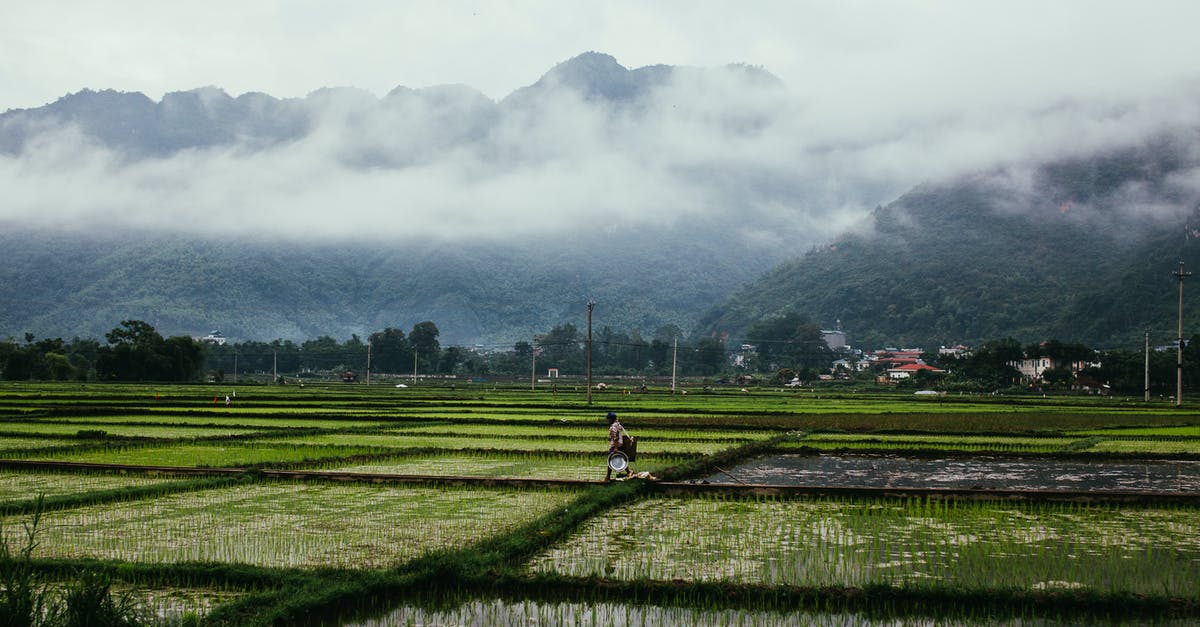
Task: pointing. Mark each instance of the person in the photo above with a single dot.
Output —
(616, 436)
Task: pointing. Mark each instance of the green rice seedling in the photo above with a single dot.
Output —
(292, 525)
(17, 485)
(122, 430)
(498, 464)
(1152, 447)
(15, 447)
(228, 454)
(248, 423)
(833, 542)
(578, 432)
(23, 591)
(1190, 431)
(90, 601)
(400, 441)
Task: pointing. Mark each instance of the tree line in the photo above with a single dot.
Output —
(990, 366)
(135, 351)
(778, 347)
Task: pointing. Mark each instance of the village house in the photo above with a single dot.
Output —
(905, 371)
(1032, 368)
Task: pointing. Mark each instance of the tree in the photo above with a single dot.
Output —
(1057, 376)
(707, 357)
(424, 340)
(134, 333)
(138, 353)
(134, 354)
(451, 359)
(561, 349)
(782, 376)
(60, 367)
(790, 340)
(19, 363)
(322, 353)
(391, 351)
(990, 365)
(184, 358)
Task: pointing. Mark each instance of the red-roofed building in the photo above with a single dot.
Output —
(907, 370)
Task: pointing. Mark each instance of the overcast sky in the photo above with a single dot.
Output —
(903, 91)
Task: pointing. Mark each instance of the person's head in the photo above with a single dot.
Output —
(612, 417)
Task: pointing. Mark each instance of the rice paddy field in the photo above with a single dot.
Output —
(461, 503)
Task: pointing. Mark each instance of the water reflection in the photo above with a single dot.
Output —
(500, 612)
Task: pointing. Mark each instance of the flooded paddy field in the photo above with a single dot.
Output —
(962, 472)
(285, 525)
(238, 515)
(857, 542)
(603, 614)
(583, 467)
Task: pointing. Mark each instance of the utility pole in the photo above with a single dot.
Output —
(1179, 361)
(590, 305)
(235, 367)
(368, 361)
(1147, 365)
(274, 366)
(414, 366)
(674, 362)
(533, 368)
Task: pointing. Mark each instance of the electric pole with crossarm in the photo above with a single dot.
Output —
(591, 304)
(1179, 361)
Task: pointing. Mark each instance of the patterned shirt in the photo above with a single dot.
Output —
(614, 434)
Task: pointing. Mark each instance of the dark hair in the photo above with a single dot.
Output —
(612, 416)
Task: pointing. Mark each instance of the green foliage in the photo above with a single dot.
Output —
(988, 367)
(47, 359)
(136, 352)
(391, 351)
(980, 258)
(90, 602)
(1125, 370)
(788, 341)
(24, 599)
(28, 601)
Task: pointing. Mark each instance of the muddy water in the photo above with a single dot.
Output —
(981, 472)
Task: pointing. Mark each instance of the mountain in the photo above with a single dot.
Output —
(66, 285)
(137, 127)
(1080, 249)
(348, 239)
(669, 195)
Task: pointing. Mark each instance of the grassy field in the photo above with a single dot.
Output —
(257, 550)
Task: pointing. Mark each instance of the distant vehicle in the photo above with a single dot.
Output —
(401, 385)
(926, 393)
(794, 383)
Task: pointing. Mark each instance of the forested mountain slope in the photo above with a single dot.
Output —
(61, 285)
(1080, 249)
(657, 192)
(342, 212)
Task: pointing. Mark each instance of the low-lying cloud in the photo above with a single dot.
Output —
(726, 146)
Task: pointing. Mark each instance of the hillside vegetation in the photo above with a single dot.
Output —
(1065, 250)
